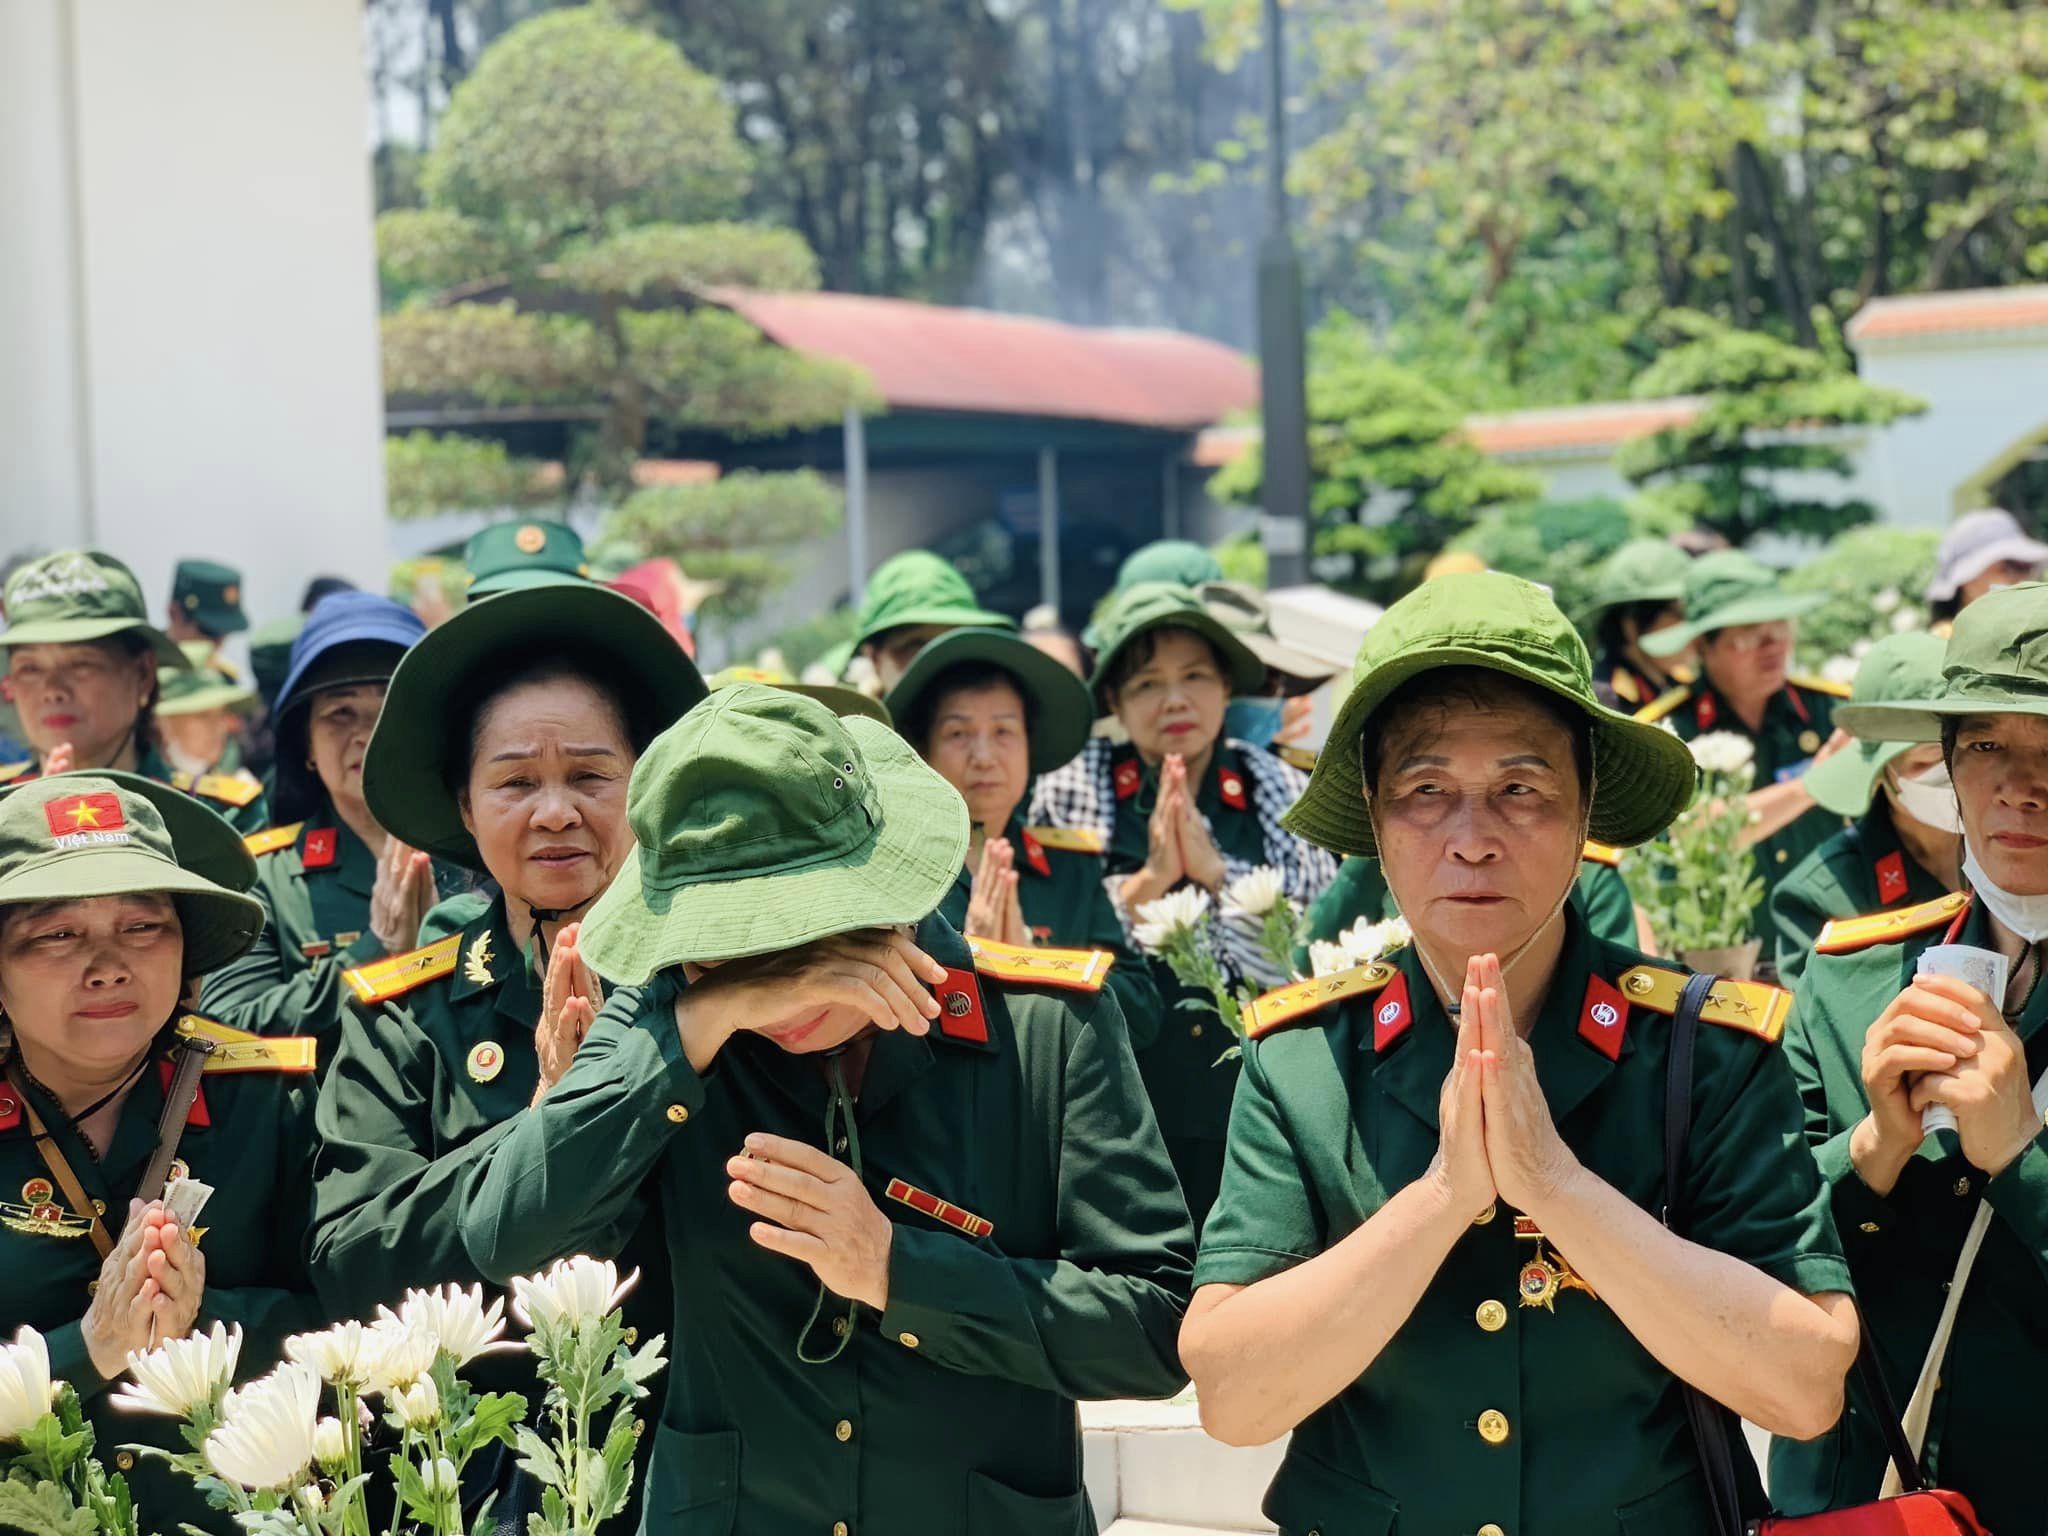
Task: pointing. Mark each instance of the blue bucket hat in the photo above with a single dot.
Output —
(348, 638)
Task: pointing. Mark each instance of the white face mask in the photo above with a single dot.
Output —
(2026, 916)
(1930, 799)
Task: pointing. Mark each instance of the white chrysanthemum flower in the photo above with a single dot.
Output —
(1326, 959)
(1367, 942)
(1905, 621)
(1175, 912)
(345, 1355)
(1839, 669)
(1723, 752)
(572, 1292)
(458, 1318)
(401, 1355)
(330, 1443)
(1255, 891)
(180, 1376)
(265, 1440)
(25, 1385)
(1887, 600)
(440, 1478)
(1862, 648)
(417, 1406)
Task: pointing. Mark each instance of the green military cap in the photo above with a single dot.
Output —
(917, 587)
(210, 595)
(506, 557)
(1640, 571)
(270, 654)
(1726, 589)
(1996, 664)
(761, 820)
(1151, 606)
(80, 835)
(840, 700)
(421, 736)
(1643, 776)
(196, 688)
(1060, 709)
(1245, 610)
(77, 595)
(1897, 667)
(1178, 561)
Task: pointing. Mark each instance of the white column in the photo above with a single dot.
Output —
(856, 455)
(1049, 526)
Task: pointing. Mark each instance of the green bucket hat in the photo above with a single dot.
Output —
(1179, 561)
(1640, 571)
(420, 735)
(761, 821)
(79, 835)
(839, 699)
(210, 595)
(1061, 712)
(77, 595)
(510, 557)
(1643, 775)
(1897, 667)
(1726, 589)
(917, 587)
(1157, 605)
(1996, 664)
(197, 688)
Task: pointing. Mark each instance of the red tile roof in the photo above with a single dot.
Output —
(1951, 314)
(1606, 425)
(928, 357)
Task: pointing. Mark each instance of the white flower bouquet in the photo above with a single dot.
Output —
(1698, 884)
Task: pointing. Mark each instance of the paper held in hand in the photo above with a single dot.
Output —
(1984, 969)
(184, 1199)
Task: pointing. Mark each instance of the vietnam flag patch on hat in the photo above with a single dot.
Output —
(79, 821)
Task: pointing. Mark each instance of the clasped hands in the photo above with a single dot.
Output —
(149, 1289)
(1179, 844)
(1496, 1135)
(992, 909)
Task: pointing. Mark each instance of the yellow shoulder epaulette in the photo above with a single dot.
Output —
(1822, 685)
(1663, 705)
(9, 772)
(1601, 853)
(1846, 935)
(1068, 839)
(1299, 999)
(236, 1050)
(1297, 757)
(236, 789)
(382, 980)
(272, 838)
(1754, 1007)
(1078, 970)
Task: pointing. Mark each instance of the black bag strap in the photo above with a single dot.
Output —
(1710, 1421)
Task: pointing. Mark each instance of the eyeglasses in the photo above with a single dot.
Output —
(1747, 638)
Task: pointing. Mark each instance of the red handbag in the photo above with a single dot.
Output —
(1919, 1510)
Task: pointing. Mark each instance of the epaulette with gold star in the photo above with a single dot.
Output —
(9, 772)
(236, 1050)
(270, 839)
(1300, 999)
(382, 980)
(1663, 705)
(1846, 935)
(236, 789)
(1601, 853)
(1821, 685)
(1077, 970)
(1068, 839)
(1754, 1007)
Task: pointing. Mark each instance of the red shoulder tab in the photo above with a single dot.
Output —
(962, 1015)
(1603, 1018)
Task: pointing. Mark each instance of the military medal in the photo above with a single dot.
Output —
(39, 1214)
(476, 970)
(1809, 741)
(486, 1061)
(1546, 1273)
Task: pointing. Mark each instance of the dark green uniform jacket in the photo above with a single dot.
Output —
(1059, 889)
(1797, 723)
(1861, 869)
(1062, 1273)
(1984, 1437)
(1482, 1411)
(314, 879)
(250, 1135)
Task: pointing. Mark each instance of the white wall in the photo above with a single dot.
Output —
(188, 359)
(1986, 393)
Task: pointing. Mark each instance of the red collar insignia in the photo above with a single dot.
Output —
(1603, 1020)
(1391, 1013)
(319, 850)
(1891, 878)
(1034, 854)
(1707, 712)
(1128, 777)
(1231, 784)
(197, 1114)
(961, 1015)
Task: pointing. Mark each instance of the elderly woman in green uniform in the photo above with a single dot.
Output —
(916, 1202)
(200, 715)
(1640, 590)
(337, 889)
(82, 660)
(1903, 845)
(913, 598)
(1437, 1257)
(987, 710)
(1878, 1039)
(116, 894)
(1180, 804)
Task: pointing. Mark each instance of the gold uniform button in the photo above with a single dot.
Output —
(1490, 1529)
(1962, 1186)
(838, 1528)
(1484, 1216)
(1492, 1316)
(907, 1340)
(678, 1113)
(1784, 854)
(1868, 1226)
(1493, 1427)
(124, 1461)
(838, 1327)
(843, 1430)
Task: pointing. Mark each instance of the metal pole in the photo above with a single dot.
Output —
(1169, 494)
(1283, 519)
(1049, 526)
(856, 453)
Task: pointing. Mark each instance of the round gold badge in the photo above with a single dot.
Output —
(486, 1061)
(37, 1192)
(530, 540)
(1809, 741)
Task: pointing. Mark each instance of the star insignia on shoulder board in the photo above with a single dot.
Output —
(476, 967)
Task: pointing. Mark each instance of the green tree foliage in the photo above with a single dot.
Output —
(1765, 407)
(1874, 579)
(1394, 480)
(426, 473)
(1559, 544)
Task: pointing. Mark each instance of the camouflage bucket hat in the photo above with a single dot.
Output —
(77, 595)
(1643, 775)
(506, 557)
(917, 587)
(1897, 667)
(761, 820)
(80, 835)
(1724, 590)
(1641, 571)
(1996, 664)
(1061, 712)
(1153, 606)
